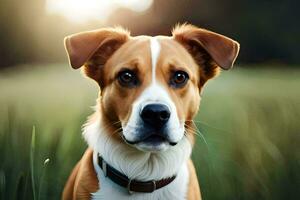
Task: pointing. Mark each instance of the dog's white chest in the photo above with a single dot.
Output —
(176, 190)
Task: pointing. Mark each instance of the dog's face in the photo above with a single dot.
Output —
(150, 86)
(152, 90)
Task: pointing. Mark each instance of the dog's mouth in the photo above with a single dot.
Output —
(154, 143)
(151, 142)
(154, 139)
(150, 139)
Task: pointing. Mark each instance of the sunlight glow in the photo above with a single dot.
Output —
(81, 11)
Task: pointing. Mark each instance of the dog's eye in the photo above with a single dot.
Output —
(179, 79)
(127, 78)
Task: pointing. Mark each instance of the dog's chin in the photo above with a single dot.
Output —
(152, 147)
(154, 144)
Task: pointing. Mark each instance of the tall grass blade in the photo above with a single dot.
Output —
(2, 184)
(32, 149)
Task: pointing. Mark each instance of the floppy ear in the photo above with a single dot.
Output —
(82, 47)
(210, 50)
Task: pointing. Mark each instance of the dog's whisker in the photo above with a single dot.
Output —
(117, 131)
(194, 129)
(208, 125)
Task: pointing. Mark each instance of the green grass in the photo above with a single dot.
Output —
(248, 117)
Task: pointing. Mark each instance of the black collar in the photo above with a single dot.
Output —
(132, 185)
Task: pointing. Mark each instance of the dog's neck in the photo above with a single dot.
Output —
(133, 163)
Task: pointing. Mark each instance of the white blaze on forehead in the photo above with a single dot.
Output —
(155, 50)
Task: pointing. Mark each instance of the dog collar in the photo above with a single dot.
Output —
(132, 185)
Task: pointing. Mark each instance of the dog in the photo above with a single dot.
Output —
(141, 135)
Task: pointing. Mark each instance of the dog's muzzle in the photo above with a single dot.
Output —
(153, 129)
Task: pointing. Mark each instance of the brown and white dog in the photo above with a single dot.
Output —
(142, 128)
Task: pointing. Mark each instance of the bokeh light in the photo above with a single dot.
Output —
(80, 11)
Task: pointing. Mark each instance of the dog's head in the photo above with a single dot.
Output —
(150, 86)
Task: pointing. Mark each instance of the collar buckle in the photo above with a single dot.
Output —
(153, 185)
(129, 187)
(104, 168)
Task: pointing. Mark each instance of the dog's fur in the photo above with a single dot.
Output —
(104, 53)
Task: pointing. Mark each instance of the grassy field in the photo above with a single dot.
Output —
(249, 119)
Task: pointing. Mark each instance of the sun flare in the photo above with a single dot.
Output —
(81, 11)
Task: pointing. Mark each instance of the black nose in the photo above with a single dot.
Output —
(155, 115)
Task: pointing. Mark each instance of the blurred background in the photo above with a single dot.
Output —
(32, 31)
(249, 131)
